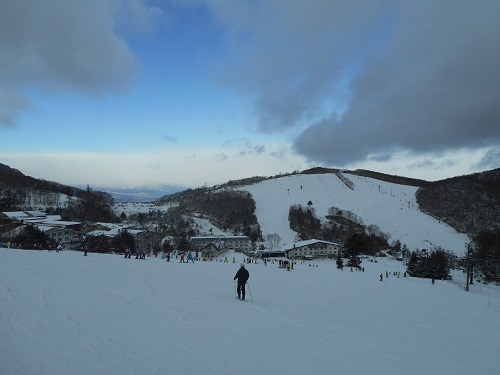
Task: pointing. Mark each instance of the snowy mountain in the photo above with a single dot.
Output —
(64, 313)
(391, 206)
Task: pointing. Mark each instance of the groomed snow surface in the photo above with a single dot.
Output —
(392, 207)
(64, 313)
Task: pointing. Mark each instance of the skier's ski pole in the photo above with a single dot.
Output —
(250, 292)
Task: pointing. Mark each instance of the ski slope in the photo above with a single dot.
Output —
(63, 313)
(390, 206)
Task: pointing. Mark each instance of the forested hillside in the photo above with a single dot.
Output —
(230, 210)
(17, 189)
(470, 204)
(21, 192)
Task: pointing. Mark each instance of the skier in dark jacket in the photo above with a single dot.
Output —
(242, 275)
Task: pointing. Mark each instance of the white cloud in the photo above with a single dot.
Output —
(65, 45)
(181, 166)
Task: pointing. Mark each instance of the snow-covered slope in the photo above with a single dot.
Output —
(390, 206)
(63, 313)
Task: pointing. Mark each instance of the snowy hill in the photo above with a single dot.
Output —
(390, 206)
(63, 313)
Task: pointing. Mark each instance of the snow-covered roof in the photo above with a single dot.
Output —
(114, 232)
(15, 214)
(54, 217)
(307, 243)
(60, 222)
(106, 233)
(111, 225)
(214, 238)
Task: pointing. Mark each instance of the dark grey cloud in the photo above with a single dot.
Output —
(11, 105)
(52, 45)
(490, 160)
(437, 86)
(432, 163)
(361, 80)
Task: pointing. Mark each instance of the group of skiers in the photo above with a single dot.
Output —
(189, 258)
(286, 265)
(396, 274)
(139, 254)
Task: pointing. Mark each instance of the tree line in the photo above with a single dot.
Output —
(342, 227)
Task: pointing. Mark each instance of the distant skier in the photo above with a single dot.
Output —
(381, 277)
(242, 275)
(85, 249)
(182, 258)
(190, 258)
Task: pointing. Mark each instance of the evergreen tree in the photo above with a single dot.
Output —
(183, 242)
(31, 235)
(412, 265)
(97, 244)
(340, 261)
(352, 248)
(438, 265)
(435, 265)
(123, 241)
(486, 254)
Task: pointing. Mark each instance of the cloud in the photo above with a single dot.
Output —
(170, 139)
(490, 160)
(179, 166)
(54, 45)
(11, 105)
(221, 156)
(365, 80)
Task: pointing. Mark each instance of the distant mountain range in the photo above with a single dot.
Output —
(467, 203)
(139, 194)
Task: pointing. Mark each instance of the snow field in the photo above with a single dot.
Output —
(64, 313)
(390, 206)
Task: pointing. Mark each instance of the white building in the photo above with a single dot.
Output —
(60, 231)
(310, 249)
(222, 243)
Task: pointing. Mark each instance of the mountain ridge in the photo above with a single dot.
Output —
(467, 203)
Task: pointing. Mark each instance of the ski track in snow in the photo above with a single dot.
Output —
(62, 313)
(390, 206)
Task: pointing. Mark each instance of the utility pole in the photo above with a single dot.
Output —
(468, 271)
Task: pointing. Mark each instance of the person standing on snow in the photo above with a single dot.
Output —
(242, 275)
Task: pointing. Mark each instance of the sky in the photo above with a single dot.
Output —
(64, 313)
(131, 93)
